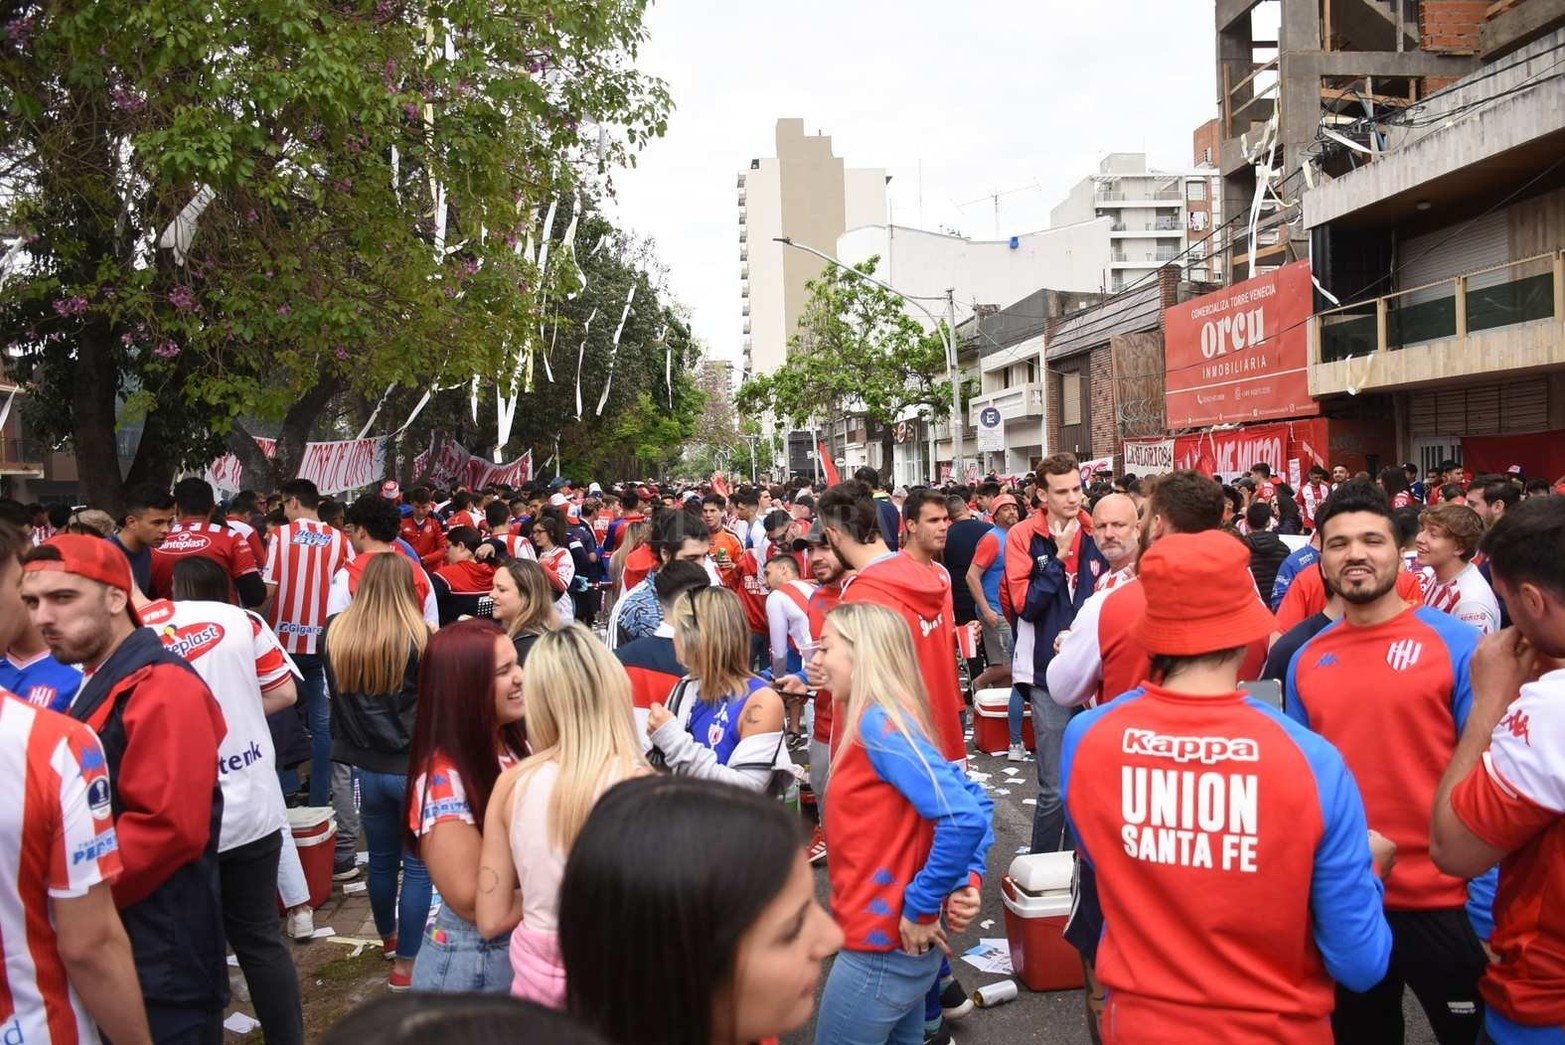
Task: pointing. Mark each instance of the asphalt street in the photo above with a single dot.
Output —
(1052, 1018)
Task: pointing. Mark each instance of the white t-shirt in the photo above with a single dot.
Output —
(788, 619)
(1467, 597)
(239, 658)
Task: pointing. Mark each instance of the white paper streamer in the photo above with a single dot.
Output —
(475, 399)
(608, 381)
(375, 412)
(417, 409)
(581, 355)
(181, 232)
(5, 411)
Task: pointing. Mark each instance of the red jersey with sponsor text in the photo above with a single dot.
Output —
(748, 581)
(222, 545)
(1176, 798)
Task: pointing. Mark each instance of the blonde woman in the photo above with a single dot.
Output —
(524, 603)
(371, 653)
(723, 722)
(581, 728)
(908, 833)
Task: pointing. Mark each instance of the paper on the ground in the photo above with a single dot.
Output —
(233, 961)
(992, 955)
(355, 887)
(361, 858)
(1002, 791)
(1023, 849)
(1011, 770)
(1029, 801)
(973, 774)
(323, 932)
(987, 923)
(240, 1023)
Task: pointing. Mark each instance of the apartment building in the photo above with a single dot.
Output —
(808, 194)
(1153, 216)
(1445, 253)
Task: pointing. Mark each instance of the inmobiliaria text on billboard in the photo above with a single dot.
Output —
(1242, 353)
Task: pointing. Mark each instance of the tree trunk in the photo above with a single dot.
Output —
(96, 380)
(295, 431)
(888, 442)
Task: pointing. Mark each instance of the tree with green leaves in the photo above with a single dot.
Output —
(238, 209)
(857, 350)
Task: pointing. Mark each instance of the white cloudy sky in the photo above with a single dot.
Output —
(955, 101)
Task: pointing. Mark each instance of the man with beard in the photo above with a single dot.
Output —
(160, 728)
(1389, 686)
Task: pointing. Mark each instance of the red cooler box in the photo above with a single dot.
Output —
(314, 831)
(1037, 896)
(992, 725)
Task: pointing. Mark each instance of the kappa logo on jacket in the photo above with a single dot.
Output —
(1206, 750)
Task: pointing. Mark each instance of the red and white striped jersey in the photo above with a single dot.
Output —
(57, 841)
(517, 546)
(301, 561)
(1467, 597)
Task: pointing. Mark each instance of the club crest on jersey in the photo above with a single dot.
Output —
(98, 797)
(1403, 654)
(182, 542)
(192, 640)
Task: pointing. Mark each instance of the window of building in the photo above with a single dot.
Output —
(1032, 372)
(1070, 398)
(1195, 190)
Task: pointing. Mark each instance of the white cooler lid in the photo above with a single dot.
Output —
(1043, 872)
(993, 698)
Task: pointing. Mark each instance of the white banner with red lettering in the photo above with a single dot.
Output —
(332, 467)
(1097, 464)
(448, 464)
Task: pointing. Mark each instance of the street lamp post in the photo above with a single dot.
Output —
(950, 339)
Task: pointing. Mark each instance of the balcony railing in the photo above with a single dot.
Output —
(21, 456)
(1121, 195)
(1498, 296)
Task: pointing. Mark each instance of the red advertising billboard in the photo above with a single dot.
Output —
(1241, 353)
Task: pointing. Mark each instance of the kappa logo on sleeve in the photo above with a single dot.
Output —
(1206, 750)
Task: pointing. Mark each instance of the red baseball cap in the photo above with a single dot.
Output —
(94, 558)
(1200, 596)
(390, 490)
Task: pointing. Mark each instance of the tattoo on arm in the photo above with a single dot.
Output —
(488, 880)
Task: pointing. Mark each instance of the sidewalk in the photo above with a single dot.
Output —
(332, 980)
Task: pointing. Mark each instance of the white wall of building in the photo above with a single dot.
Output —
(985, 272)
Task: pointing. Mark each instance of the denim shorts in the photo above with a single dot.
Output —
(455, 959)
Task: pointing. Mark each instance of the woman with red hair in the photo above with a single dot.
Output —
(469, 728)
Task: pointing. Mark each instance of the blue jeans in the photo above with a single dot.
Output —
(1048, 724)
(317, 715)
(1017, 714)
(383, 809)
(454, 959)
(876, 998)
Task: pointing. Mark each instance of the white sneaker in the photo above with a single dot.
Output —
(301, 923)
(1018, 753)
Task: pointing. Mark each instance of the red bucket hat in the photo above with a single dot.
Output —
(1200, 596)
(93, 558)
